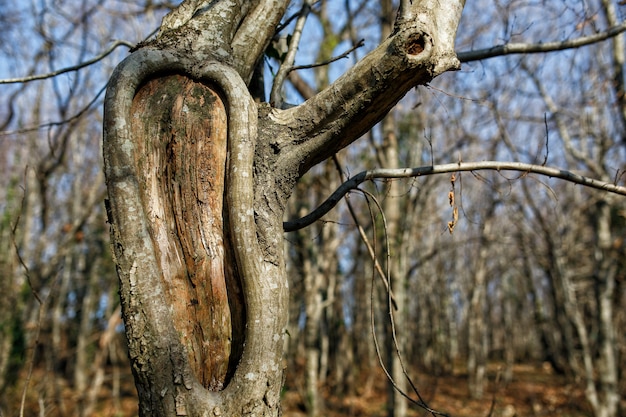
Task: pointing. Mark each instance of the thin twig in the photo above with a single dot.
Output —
(545, 123)
(290, 57)
(420, 402)
(40, 312)
(68, 69)
(17, 249)
(59, 123)
(31, 365)
(371, 248)
(333, 59)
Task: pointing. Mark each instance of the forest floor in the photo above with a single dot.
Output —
(534, 391)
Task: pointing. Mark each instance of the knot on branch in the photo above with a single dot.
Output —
(415, 44)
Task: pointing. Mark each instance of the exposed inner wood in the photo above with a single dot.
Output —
(180, 126)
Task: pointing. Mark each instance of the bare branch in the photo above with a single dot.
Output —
(68, 69)
(531, 48)
(252, 37)
(287, 64)
(391, 304)
(333, 59)
(371, 249)
(76, 116)
(525, 168)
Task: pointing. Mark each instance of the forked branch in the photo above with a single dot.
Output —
(420, 49)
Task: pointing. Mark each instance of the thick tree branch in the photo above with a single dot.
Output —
(287, 64)
(203, 29)
(204, 14)
(255, 34)
(530, 48)
(418, 51)
(524, 168)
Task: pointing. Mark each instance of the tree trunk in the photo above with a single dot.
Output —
(181, 255)
(198, 177)
(602, 376)
(397, 404)
(477, 330)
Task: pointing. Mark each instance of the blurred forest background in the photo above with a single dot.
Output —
(507, 299)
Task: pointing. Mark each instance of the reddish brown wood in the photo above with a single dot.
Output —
(180, 126)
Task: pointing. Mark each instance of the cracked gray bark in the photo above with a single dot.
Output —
(198, 177)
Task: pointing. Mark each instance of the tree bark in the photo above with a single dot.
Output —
(165, 227)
